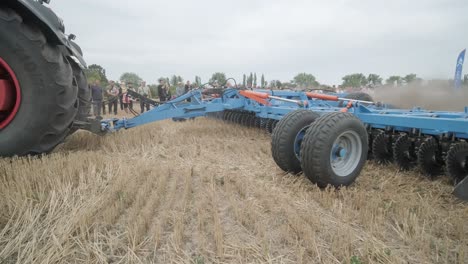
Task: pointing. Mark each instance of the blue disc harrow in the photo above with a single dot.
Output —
(329, 137)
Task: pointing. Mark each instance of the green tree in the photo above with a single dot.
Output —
(198, 81)
(131, 78)
(374, 79)
(96, 72)
(262, 81)
(276, 84)
(394, 80)
(355, 80)
(218, 77)
(255, 80)
(410, 78)
(244, 82)
(305, 80)
(250, 80)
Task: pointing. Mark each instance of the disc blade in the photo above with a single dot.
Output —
(461, 190)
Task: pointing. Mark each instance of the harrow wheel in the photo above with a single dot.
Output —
(457, 161)
(404, 152)
(429, 158)
(287, 139)
(382, 148)
(334, 150)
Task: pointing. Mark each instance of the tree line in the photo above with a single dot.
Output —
(300, 81)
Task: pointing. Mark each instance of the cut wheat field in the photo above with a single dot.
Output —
(207, 192)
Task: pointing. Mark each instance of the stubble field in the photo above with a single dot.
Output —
(207, 192)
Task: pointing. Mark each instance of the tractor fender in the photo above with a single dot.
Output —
(51, 25)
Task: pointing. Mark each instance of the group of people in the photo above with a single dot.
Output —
(116, 94)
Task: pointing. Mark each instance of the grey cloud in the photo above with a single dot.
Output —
(279, 38)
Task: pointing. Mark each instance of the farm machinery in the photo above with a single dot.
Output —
(329, 137)
(44, 97)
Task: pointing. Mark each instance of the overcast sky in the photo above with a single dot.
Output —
(328, 38)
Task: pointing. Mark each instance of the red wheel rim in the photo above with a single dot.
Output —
(10, 94)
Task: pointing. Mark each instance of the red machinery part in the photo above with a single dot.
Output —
(10, 94)
(326, 97)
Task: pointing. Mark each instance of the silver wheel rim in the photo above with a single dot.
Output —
(346, 153)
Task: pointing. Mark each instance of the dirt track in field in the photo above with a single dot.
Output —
(208, 192)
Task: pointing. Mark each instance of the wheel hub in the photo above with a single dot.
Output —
(346, 153)
(341, 153)
(10, 94)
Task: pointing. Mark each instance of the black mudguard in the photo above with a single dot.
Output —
(51, 25)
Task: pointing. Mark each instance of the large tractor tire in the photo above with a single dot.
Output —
(84, 94)
(287, 138)
(334, 150)
(39, 94)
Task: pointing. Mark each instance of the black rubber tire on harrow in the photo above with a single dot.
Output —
(49, 93)
(316, 151)
(284, 137)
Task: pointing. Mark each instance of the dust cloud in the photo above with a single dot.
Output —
(431, 95)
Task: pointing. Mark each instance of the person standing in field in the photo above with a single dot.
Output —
(113, 95)
(96, 97)
(187, 87)
(129, 99)
(145, 91)
(162, 90)
(125, 99)
(122, 84)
